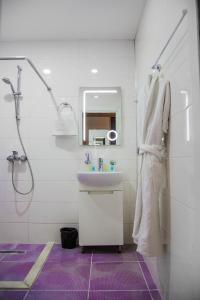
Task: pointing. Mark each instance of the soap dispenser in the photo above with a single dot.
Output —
(112, 166)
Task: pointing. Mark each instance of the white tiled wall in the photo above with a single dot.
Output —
(55, 161)
(178, 270)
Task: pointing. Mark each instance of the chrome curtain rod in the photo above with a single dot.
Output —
(156, 65)
(31, 64)
(49, 89)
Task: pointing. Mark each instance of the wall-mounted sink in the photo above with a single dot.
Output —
(100, 178)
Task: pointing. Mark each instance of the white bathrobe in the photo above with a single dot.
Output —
(147, 231)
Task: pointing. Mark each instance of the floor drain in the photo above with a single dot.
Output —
(12, 252)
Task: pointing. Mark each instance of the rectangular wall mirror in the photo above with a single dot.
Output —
(100, 116)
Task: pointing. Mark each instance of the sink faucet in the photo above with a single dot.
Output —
(87, 158)
(100, 164)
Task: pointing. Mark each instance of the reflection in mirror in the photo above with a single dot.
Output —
(100, 116)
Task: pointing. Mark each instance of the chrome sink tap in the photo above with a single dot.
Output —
(100, 164)
(87, 158)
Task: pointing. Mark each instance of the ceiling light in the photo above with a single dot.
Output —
(46, 71)
(94, 71)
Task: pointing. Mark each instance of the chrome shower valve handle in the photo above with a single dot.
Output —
(23, 158)
(15, 157)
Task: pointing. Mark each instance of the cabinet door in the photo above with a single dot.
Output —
(101, 218)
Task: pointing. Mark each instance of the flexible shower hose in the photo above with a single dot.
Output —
(29, 164)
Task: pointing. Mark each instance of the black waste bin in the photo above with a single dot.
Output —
(68, 237)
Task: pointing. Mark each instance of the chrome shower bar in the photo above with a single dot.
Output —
(49, 89)
(156, 65)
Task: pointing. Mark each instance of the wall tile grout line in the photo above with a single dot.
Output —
(145, 280)
(88, 294)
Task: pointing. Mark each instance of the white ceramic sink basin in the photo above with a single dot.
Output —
(100, 178)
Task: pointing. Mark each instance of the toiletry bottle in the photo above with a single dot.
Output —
(100, 164)
(112, 165)
(93, 168)
(106, 166)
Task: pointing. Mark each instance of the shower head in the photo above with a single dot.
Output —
(7, 81)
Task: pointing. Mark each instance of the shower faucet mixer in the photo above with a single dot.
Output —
(15, 157)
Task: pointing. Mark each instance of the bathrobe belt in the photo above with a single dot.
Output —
(156, 150)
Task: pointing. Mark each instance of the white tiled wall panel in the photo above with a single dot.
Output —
(55, 161)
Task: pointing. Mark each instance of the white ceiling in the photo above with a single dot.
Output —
(69, 19)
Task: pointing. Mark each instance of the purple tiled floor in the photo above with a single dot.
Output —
(30, 255)
(1, 256)
(58, 295)
(65, 276)
(155, 295)
(128, 254)
(71, 255)
(128, 295)
(6, 246)
(14, 270)
(148, 277)
(100, 274)
(12, 295)
(117, 276)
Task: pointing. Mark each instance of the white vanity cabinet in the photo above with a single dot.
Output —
(101, 217)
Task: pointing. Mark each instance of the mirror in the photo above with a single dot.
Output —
(100, 116)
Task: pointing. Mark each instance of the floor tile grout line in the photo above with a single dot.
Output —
(145, 281)
(117, 261)
(26, 295)
(34, 291)
(1, 259)
(143, 290)
(68, 290)
(88, 294)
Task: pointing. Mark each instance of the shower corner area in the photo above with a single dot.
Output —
(48, 72)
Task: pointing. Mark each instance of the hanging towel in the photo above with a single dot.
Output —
(147, 230)
(66, 122)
